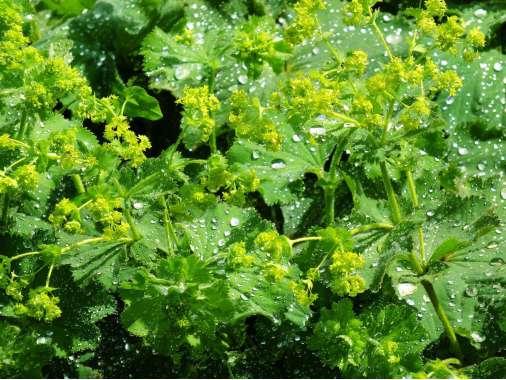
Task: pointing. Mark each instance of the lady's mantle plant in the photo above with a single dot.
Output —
(332, 203)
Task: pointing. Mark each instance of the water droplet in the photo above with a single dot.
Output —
(430, 213)
(393, 39)
(138, 205)
(463, 151)
(234, 222)
(278, 164)
(450, 100)
(477, 337)
(221, 243)
(496, 262)
(317, 131)
(498, 66)
(255, 155)
(471, 292)
(410, 302)
(242, 79)
(480, 13)
(244, 297)
(296, 138)
(406, 289)
(181, 72)
(503, 193)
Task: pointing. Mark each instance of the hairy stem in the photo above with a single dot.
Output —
(5, 209)
(392, 198)
(135, 232)
(329, 193)
(450, 332)
(303, 239)
(372, 226)
(416, 204)
(169, 228)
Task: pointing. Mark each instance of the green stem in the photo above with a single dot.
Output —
(22, 126)
(392, 198)
(169, 228)
(416, 204)
(454, 343)
(412, 189)
(380, 35)
(13, 258)
(135, 232)
(303, 239)
(5, 209)
(329, 193)
(343, 117)
(416, 264)
(49, 273)
(78, 183)
(372, 226)
(212, 142)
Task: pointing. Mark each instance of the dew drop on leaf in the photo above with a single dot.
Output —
(278, 164)
(496, 262)
(406, 289)
(477, 337)
(234, 222)
(480, 13)
(181, 72)
(463, 151)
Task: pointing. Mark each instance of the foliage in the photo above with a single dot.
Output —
(329, 199)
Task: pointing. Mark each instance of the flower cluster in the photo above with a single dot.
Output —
(198, 122)
(124, 142)
(66, 214)
(41, 305)
(343, 269)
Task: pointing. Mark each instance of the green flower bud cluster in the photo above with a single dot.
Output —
(198, 122)
(277, 246)
(306, 22)
(106, 213)
(449, 31)
(7, 184)
(42, 80)
(41, 305)
(343, 269)
(217, 175)
(26, 177)
(307, 96)
(238, 256)
(67, 215)
(255, 44)
(65, 145)
(250, 120)
(302, 292)
(124, 142)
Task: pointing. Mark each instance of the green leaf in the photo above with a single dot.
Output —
(279, 170)
(140, 104)
(449, 246)
(221, 226)
(101, 262)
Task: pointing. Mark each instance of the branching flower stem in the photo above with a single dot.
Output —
(418, 263)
